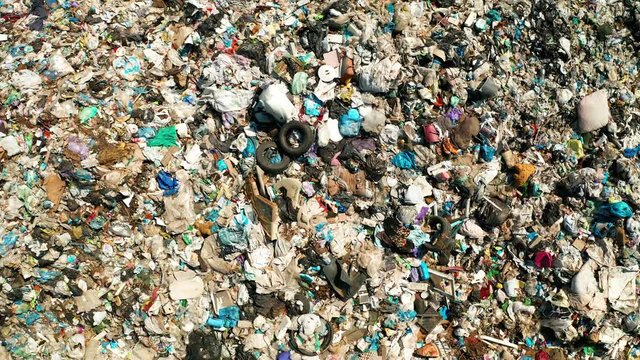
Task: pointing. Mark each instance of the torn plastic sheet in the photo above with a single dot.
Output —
(228, 100)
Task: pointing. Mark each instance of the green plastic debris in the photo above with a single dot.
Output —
(166, 137)
(305, 58)
(28, 139)
(87, 114)
(589, 350)
(494, 15)
(13, 97)
(187, 239)
(299, 83)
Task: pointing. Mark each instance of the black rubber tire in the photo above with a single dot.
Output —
(265, 162)
(305, 143)
(323, 347)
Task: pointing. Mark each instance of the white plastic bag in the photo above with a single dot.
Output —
(380, 77)
(26, 80)
(231, 100)
(60, 65)
(274, 100)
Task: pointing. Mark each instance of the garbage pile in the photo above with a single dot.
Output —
(195, 179)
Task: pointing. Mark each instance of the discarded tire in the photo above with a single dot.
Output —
(323, 346)
(265, 159)
(305, 140)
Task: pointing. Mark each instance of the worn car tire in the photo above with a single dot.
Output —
(305, 143)
(323, 347)
(265, 162)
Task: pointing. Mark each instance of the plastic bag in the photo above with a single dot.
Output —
(380, 77)
(166, 137)
(60, 66)
(127, 66)
(299, 83)
(404, 160)
(64, 109)
(329, 131)
(229, 100)
(274, 101)
(374, 121)
(350, 123)
(87, 114)
(26, 80)
(168, 183)
(618, 210)
(593, 111)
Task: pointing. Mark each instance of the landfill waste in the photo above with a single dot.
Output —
(297, 179)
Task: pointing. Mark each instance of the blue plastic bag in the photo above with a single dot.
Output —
(350, 123)
(233, 238)
(618, 210)
(631, 152)
(406, 315)
(404, 160)
(312, 108)
(487, 153)
(250, 150)
(168, 183)
(8, 241)
(222, 166)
